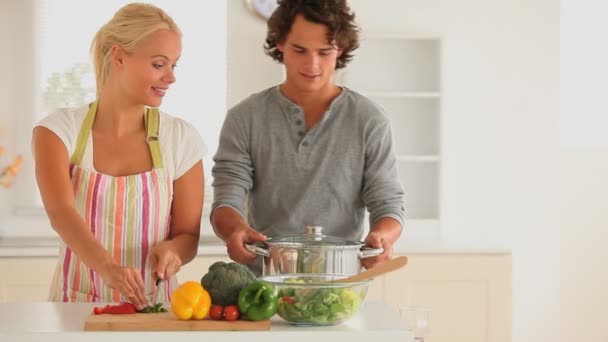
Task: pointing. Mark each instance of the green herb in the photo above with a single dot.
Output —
(158, 307)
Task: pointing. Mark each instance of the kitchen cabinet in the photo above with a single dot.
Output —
(469, 294)
(401, 73)
(26, 279)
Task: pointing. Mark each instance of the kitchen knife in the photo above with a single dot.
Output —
(157, 292)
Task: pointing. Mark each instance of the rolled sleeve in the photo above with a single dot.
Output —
(383, 194)
(233, 169)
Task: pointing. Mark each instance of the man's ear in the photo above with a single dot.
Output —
(340, 52)
(116, 56)
(281, 47)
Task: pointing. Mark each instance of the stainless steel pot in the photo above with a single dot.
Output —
(312, 252)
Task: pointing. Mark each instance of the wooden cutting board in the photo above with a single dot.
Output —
(166, 321)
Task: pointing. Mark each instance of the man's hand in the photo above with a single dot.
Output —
(375, 240)
(230, 227)
(235, 243)
(383, 234)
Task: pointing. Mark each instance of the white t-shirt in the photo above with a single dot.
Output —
(180, 143)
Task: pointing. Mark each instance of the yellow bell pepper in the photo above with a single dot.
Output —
(190, 301)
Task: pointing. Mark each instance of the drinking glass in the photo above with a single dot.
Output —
(417, 319)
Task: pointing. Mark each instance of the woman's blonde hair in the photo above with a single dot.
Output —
(129, 26)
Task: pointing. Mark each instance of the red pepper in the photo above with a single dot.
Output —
(122, 308)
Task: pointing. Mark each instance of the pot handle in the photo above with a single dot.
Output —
(368, 252)
(257, 250)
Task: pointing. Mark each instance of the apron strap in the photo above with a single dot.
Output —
(83, 135)
(151, 119)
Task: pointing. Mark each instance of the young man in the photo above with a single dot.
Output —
(307, 152)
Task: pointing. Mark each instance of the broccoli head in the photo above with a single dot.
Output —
(224, 281)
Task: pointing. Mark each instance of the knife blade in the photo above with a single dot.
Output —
(157, 292)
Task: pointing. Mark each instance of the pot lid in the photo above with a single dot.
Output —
(312, 236)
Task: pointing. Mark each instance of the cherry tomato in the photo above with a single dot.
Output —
(216, 312)
(231, 313)
(287, 299)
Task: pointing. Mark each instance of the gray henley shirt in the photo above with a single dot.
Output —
(291, 177)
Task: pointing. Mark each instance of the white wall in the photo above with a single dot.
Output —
(500, 128)
(584, 170)
(17, 77)
(249, 70)
(584, 232)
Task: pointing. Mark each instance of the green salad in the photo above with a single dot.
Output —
(322, 306)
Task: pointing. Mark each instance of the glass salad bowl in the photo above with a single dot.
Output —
(313, 299)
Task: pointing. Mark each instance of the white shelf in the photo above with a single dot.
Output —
(391, 63)
(421, 184)
(401, 73)
(420, 229)
(414, 123)
(402, 94)
(398, 36)
(419, 159)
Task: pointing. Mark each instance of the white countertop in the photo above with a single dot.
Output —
(65, 322)
(210, 245)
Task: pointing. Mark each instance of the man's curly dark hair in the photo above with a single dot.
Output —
(336, 15)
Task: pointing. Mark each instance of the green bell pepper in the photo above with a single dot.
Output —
(258, 301)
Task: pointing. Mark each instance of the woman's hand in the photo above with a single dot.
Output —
(126, 280)
(235, 243)
(165, 260)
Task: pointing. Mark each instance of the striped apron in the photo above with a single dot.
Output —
(128, 215)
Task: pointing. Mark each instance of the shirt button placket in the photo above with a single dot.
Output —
(299, 122)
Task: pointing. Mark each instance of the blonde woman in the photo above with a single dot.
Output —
(121, 182)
